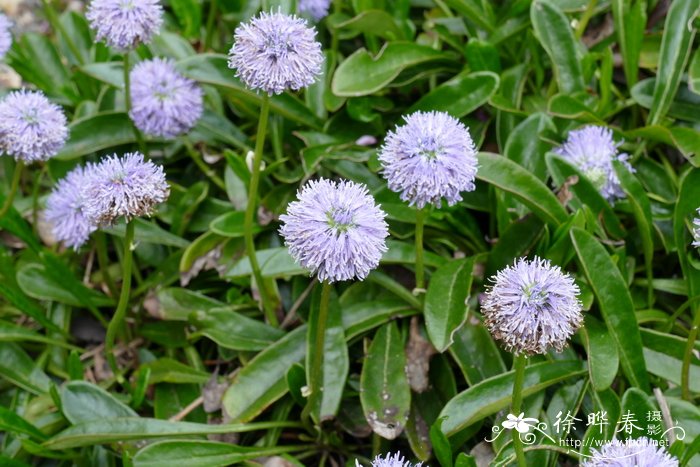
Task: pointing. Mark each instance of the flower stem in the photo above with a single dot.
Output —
(420, 270)
(517, 401)
(119, 315)
(19, 168)
(685, 368)
(316, 380)
(251, 209)
(127, 97)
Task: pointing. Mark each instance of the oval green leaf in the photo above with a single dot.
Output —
(460, 95)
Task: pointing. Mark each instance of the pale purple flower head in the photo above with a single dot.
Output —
(335, 230)
(391, 460)
(640, 452)
(592, 150)
(317, 9)
(124, 186)
(165, 103)
(532, 307)
(32, 128)
(5, 35)
(124, 24)
(429, 158)
(274, 52)
(65, 209)
(696, 230)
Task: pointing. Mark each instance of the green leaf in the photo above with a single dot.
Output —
(384, 391)
(512, 178)
(202, 453)
(630, 19)
(213, 69)
(168, 370)
(96, 133)
(554, 33)
(262, 381)
(446, 301)
(683, 106)
(676, 47)
(10, 332)
(441, 445)
(148, 232)
(685, 210)
(685, 139)
(476, 353)
(361, 74)
(233, 330)
(21, 370)
(460, 95)
(37, 282)
(335, 362)
(12, 423)
(615, 304)
(489, 396)
(603, 358)
(360, 317)
(111, 73)
(112, 430)
(694, 73)
(178, 304)
(635, 403)
(376, 22)
(525, 147)
(189, 15)
(585, 193)
(475, 11)
(230, 225)
(84, 402)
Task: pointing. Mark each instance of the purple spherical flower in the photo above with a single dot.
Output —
(532, 307)
(335, 230)
(65, 209)
(5, 35)
(391, 460)
(124, 24)
(317, 9)
(165, 103)
(640, 452)
(430, 157)
(274, 52)
(592, 150)
(126, 186)
(32, 128)
(696, 230)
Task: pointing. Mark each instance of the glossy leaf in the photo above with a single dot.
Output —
(97, 132)
(460, 95)
(83, 402)
(603, 358)
(233, 330)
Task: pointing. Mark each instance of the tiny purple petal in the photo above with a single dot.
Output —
(5, 35)
(123, 187)
(124, 24)
(274, 52)
(317, 9)
(429, 158)
(532, 307)
(65, 209)
(32, 128)
(640, 452)
(592, 150)
(335, 230)
(165, 103)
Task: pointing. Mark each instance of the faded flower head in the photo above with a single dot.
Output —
(640, 452)
(274, 52)
(430, 157)
(32, 128)
(335, 230)
(65, 209)
(317, 9)
(532, 307)
(391, 460)
(696, 230)
(165, 103)
(5, 35)
(124, 186)
(124, 24)
(592, 150)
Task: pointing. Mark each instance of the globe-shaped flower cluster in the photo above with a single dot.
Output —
(640, 452)
(124, 24)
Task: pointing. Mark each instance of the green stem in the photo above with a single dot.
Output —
(420, 270)
(685, 369)
(19, 168)
(127, 98)
(210, 25)
(208, 171)
(316, 380)
(585, 18)
(103, 260)
(55, 22)
(251, 209)
(120, 314)
(517, 401)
